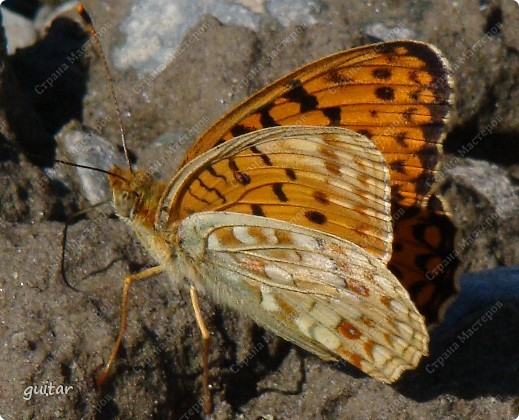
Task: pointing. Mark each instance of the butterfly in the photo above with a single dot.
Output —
(284, 209)
(334, 297)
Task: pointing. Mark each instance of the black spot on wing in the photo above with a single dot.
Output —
(333, 114)
(241, 177)
(238, 130)
(400, 138)
(415, 94)
(266, 119)
(277, 188)
(385, 93)
(290, 173)
(315, 217)
(257, 210)
(299, 95)
(382, 73)
(232, 165)
(366, 133)
(408, 114)
(266, 160)
(398, 166)
(338, 78)
(321, 197)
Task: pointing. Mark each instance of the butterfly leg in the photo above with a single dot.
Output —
(206, 337)
(101, 378)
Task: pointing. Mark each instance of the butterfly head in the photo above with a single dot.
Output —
(134, 192)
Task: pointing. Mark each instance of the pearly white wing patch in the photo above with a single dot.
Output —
(321, 292)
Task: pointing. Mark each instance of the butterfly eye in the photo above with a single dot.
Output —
(123, 203)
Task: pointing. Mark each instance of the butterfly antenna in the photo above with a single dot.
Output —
(92, 168)
(87, 20)
(65, 162)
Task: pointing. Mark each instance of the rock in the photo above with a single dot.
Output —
(19, 30)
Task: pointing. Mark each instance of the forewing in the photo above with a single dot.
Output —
(325, 178)
(399, 94)
(326, 295)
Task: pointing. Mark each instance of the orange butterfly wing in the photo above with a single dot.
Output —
(325, 178)
(399, 94)
(424, 259)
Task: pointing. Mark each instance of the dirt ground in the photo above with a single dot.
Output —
(53, 332)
